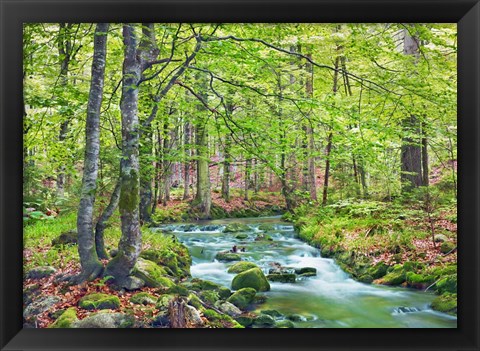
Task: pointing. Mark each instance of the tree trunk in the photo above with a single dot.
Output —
(411, 152)
(329, 140)
(91, 266)
(186, 174)
(64, 51)
(425, 172)
(102, 222)
(203, 199)
(131, 240)
(311, 178)
(248, 167)
(147, 173)
(226, 169)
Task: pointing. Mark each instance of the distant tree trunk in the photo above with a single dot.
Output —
(203, 199)
(146, 175)
(256, 184)
(248, 168)
(91, 266)
(328, 150)
(65, 52)
(131, 240)
(158, 167)
(226, 169)
(186, 174)
(425, 173)
(311, 186)
(102, 222)
(411, 152)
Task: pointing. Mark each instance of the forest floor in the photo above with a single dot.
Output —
(375, 242)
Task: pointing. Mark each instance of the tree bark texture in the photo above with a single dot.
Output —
(102, 222)
(133, 65)
(91, 266)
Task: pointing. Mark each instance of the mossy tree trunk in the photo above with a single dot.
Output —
(91, 266)
(135, 60)
(102, 222)
(411, 150)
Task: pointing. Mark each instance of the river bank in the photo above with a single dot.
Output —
(387, 243)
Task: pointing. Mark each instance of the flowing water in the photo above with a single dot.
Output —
(329, 300)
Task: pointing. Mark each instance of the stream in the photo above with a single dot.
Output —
(328, 300)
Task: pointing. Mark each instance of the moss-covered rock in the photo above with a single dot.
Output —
(178, 290)
(259, 299)
(218, 320)
(242, 298)
(41, 272)
(396, 276)
(252, 278)
(418, 280)
(445, 303)
(224, 292)
(304, 270)
(447, 246)
(153, 275)
(447, 284)
(163, 301)
(282, 278)
(38, 306)
(194, 300)
(99, 301)
(241, 236)
(240, 267)
(264, 320)
(106, 320)
(161, 320)
(198, 284)
(176, 259)
(365, 278)
(66, 319)
(295, 317)
(236, 227)
(229, 308)
(378, 270)
(227, 256)
(245, 320)
(209, 296)
(273, 313)
(285, 324)
(143, 298)
(66, 238)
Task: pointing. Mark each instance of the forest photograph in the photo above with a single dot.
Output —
(240, 175)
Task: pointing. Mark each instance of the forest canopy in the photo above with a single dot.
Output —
(177, 121)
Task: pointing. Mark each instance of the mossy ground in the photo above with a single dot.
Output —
(385, 242)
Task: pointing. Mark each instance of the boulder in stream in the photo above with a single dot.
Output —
(242, 298)
(236, 227)
(228, 256)
(251, 278)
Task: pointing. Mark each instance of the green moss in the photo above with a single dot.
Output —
(227, 256)
(282, 277)
(264, 320)
(252, 278)
(178, 290)
(378, 270)
(241, 267)
(224, 292)
(143, 298)
(209, 296)
(194, 301)
(246, 321)
(66, 319)
(419, 281)
(236, 227)
(242, 298)
(99, 301)
(152, 274)
(447, 246)
(272, 313)
(396, 276)
(445, 303)
(163, 301)
(447, 284)
(129, 195)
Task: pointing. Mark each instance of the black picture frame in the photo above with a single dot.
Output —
(464, 12)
